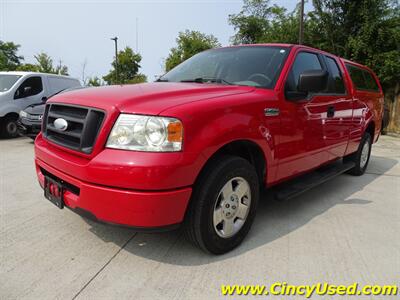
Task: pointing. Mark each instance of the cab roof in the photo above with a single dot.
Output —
(23, 73)
(295, 46)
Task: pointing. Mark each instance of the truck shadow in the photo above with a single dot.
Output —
(274, 220)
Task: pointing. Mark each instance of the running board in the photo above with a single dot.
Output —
(308, 181)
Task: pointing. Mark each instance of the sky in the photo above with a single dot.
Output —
(78, 32)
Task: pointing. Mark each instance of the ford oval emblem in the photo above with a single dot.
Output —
(61, 124)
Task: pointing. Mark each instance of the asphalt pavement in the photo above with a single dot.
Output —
(343, 231)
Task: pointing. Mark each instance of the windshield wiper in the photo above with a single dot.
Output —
(162, 80)
(205, 80)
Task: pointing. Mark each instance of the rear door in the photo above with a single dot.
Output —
(339, 114)
(368, 102)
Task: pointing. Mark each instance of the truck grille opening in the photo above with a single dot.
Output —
(84, 124)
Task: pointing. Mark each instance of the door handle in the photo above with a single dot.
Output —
(271, 112)
(330, 112)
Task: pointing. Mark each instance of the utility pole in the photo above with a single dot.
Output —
(301, 27)
(59, 66)
(115, 39)
(83, 72)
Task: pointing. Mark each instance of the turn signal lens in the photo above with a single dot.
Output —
(175, 132)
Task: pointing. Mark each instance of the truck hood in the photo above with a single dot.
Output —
(146, 98)
(35, 109)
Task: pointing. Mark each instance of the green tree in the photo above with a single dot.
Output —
(44, 64)
(94, 81)
(189, 43)
(139, 78)
(252, 22)
(259, 22)
(28, 68)
(11, 61)
(61, 69)
(367, 31)
(9, 58)
(282, 26)
(128, 68)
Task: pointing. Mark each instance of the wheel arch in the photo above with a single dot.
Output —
(10, 114)
(3, 122)
(370, 128)
(246, 149)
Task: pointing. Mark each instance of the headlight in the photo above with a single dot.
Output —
(23, 114)
(146, 133)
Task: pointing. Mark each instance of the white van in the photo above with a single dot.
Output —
(18, 90)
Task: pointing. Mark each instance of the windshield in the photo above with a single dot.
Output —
(7, 81)
(252, 65)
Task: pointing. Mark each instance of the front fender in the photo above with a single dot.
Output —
(212, 124)
(7, 108)
(227, 128)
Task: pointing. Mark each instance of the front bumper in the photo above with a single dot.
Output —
(139, 209)
(124, 169)
(28, 128)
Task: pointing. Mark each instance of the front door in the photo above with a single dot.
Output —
(29, 92)
(302, 143)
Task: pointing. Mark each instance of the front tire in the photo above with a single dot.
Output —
(223, 205)
(8, 127)
(361, 157)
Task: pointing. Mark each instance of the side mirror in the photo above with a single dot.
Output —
(44, 99)
(313, 81)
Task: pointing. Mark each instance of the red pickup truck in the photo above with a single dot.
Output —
(196, 146)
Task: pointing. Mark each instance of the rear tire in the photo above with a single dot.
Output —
(8, 127)
(223, 205)
(361, 157)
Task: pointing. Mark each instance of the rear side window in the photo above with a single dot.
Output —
(336, 85)
(370, 81)
(58, 84)
(304, 61)
(362, 79)
(357, 77)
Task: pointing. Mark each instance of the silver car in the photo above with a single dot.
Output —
(18, 90)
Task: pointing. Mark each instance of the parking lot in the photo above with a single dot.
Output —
(344, 231)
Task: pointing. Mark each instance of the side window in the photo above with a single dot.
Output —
(362, 79)
(356, 75)
(337, 84)
(370, 81)
(30, 87)
(304, 61)
(57, 84)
